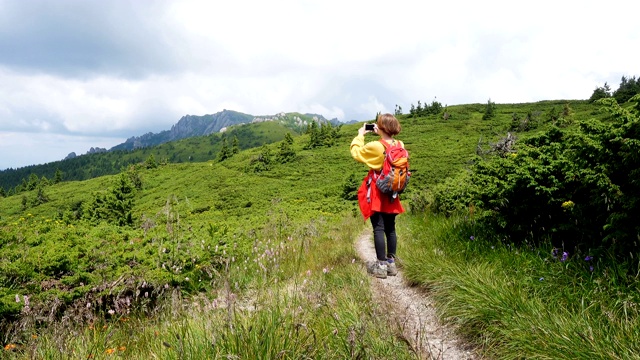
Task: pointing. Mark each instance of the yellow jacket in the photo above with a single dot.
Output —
(370, 154)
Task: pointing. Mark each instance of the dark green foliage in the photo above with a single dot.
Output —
(151, 163)
(40, 197)
(33, 182)
(225, 151)
(579, 189)
(600, 93)
(115, 205)
(235, 147)
(321, 136)
(286, 153)
(2, 192)
(489, 110)
(350, 187)
(628, 88)
(433, 109)
(58, 176)
(398, 110)
(263, 161)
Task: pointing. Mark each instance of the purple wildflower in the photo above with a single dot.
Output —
(472, 238)
(591, 268)
(565, 256)
(588, 258)
(554, 253)
(541, 279)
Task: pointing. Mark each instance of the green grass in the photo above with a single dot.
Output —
(517, 303)
(281, 241)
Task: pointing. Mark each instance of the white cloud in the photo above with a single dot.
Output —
(119, 69)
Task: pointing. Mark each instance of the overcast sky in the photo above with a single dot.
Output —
(81, 74)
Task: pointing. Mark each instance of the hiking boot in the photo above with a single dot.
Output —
(392, 269)
(377, 269)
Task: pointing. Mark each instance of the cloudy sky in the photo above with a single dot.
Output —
(84, 73)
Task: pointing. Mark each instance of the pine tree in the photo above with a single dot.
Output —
(235, 148)
(151, 163)
(224, 152)
(263, 161)
(2, 192)
(33, 182)
(285, 150)
(58, 177)
(489, 111)
(314, 136)
(120, 201)
(41, 197)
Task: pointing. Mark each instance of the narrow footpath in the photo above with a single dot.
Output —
(413, 312)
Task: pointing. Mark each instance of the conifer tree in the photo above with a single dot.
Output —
(235, 148)
(314, 135)
(121, 200)
(263, 161)
(41, 197)
(286, 153)
(151, 163)
(58, 176)
(33, 182)
(224, 152)
(2, 192)
(489, 111)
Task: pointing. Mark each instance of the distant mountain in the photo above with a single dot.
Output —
(187, 126)
(167, 144)
(194, 125)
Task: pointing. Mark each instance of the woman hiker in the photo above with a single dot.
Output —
(378, 207)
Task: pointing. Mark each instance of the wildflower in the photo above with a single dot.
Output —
(554, 253)
(325, 270)
(588, 258)
(568, 205)
(565, 256)
(110, 351)
(34, 336)
(472, 237)
(10, 347)
(541, 279)
(111, 312)
(353, 261)
(591, 268)
(122, 348)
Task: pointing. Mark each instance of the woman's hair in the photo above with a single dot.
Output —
(389, 124)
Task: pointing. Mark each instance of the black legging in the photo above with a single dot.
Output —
(384, 225)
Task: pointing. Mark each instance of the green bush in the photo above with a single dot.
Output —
(578, 188)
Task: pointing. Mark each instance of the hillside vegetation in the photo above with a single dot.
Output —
(192, 139)
(253, 256)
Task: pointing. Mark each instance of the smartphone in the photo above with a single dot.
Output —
(369, 126)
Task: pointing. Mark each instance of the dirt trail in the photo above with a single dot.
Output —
(413, 312)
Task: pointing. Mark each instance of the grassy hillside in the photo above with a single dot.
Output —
(207, 232)
(194, 149)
